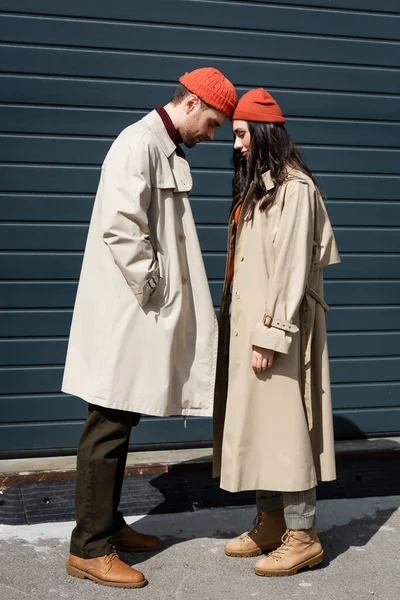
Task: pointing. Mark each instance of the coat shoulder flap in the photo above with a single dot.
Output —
(170, 173)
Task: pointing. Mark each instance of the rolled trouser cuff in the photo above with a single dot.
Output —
(300, 509)
(295, 522)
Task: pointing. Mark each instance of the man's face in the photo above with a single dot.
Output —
(200, 122)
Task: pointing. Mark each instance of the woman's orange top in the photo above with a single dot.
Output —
(236, 216)
(237, 213)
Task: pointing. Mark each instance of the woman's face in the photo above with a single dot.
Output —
(242, 136)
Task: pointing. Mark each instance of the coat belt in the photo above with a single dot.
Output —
(318, 298)
(308, 374)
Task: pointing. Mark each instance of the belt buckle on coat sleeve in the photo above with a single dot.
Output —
(267, 320)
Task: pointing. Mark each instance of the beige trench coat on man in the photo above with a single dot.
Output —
(144, 332)
(274, 431)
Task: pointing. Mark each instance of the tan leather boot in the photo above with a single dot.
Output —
(106, 570)
(299, 549)
(266, 534)
(128, 540)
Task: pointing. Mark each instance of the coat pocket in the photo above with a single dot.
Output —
(160, 294)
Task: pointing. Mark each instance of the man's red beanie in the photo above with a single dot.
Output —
(258, 105)
(212, 87)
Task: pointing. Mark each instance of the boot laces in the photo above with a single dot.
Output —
(284, 547)
(111, 557)
(256, 523)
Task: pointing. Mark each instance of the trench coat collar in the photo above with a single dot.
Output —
(156, 124)
(291, 173)
(269, 185)
(268, 181)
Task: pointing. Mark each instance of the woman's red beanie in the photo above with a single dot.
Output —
(258, 105)
(212, 87)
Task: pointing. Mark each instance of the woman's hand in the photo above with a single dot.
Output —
(262, 359)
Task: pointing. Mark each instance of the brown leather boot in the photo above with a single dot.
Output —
(106, 570)
(128, 540)
(299, 549)
(266, 534)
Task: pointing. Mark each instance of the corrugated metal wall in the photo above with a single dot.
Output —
(73, 74)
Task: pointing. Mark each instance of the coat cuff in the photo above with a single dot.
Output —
(274, 334)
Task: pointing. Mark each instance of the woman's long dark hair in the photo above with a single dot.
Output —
(271, 148)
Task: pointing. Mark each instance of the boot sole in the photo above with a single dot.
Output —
(83, 575)
(316, 560)
(253, 553)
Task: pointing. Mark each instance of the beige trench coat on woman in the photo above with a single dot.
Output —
(274, 431)
(144, 332)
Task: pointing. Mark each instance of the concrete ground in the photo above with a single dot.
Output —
(361, 539)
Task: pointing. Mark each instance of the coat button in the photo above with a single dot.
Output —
(241, 258)
(181, 237)
(237, 295)
(184, 280)
(236, 333)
